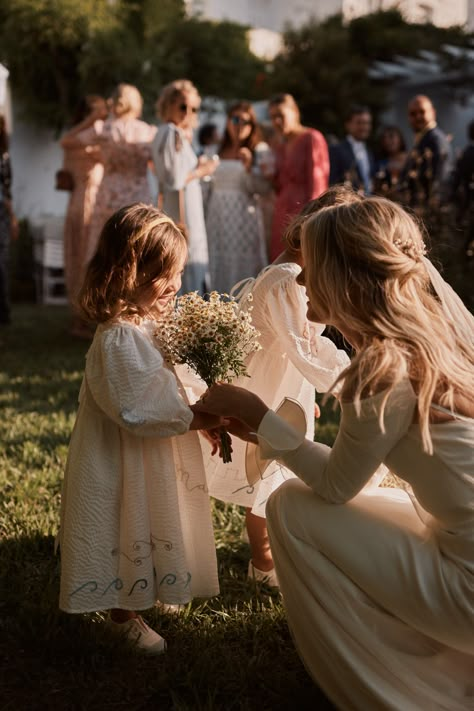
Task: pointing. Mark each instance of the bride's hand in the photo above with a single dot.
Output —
(231, 401)
(241, 430)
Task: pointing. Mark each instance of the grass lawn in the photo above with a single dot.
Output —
(233, 652)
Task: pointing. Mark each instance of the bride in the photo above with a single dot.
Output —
(378, 586)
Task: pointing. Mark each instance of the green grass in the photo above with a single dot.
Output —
(233, 652)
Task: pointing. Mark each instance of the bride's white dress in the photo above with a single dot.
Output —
(378, 585)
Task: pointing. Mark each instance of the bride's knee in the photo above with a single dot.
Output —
(281, 503)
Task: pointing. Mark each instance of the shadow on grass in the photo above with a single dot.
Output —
(222, 653)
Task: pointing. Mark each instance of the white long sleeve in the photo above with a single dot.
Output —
(337, 474)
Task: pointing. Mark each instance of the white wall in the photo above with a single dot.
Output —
(35, 156)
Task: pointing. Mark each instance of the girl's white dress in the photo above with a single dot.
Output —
(293, 361)
(234, 222)
(135, 520)
(378, 586)
(174, 159)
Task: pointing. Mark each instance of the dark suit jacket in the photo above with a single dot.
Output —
(343, 165)
(429, 165)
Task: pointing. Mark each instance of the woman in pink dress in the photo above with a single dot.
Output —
(85, 165)
(124, 141)
(302, 166)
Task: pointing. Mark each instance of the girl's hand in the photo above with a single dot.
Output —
(213, 436)
(204, 420)
(231, 401)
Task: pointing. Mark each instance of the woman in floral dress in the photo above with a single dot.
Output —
(124, 141)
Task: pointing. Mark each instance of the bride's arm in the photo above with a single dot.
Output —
(336, 474)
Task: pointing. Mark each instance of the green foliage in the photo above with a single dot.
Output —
(41, 42)
(325, 65)
(59, 50)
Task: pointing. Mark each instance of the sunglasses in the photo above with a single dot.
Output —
(185, 108)
(238, 121)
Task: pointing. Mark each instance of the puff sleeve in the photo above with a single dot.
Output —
(170, 159)
(317, 358)
(128, 381)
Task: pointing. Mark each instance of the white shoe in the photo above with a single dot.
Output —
(168, 609)
(269, 577)
(139, 634)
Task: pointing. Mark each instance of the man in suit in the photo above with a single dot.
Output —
(350, 159)
(429, 163)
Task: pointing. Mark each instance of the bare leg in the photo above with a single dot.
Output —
(259, 541)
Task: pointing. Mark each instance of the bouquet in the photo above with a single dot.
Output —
(212, 337)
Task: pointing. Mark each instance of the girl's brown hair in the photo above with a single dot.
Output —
(139, 248)
(255, 135)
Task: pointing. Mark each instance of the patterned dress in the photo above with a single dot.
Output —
(125, 147)
(302, 174)
(235, 227)
(135, 515)
(85, 164)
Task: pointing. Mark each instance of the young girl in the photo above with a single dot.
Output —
(293, 361)
(135, 521)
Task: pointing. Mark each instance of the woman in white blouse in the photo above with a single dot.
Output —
(378, 586)
(179, 172)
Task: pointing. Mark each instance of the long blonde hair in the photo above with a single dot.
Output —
(364, 268)
(139, 246)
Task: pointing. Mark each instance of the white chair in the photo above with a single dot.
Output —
(48, 253)
(53, 288)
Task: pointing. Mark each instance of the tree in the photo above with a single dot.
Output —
(59, 50)
(41, 42)
(325, 65)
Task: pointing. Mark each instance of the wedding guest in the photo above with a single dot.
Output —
(302, 166)
(179, 173)
(84, 164)
(294, 361)
(429, 162)
(8, 223)
(133, 531)
(352, 161)
(124, 141)
(234, 219)
(378, 587)
(390, 159)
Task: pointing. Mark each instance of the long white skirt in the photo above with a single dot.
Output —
(378, 614)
